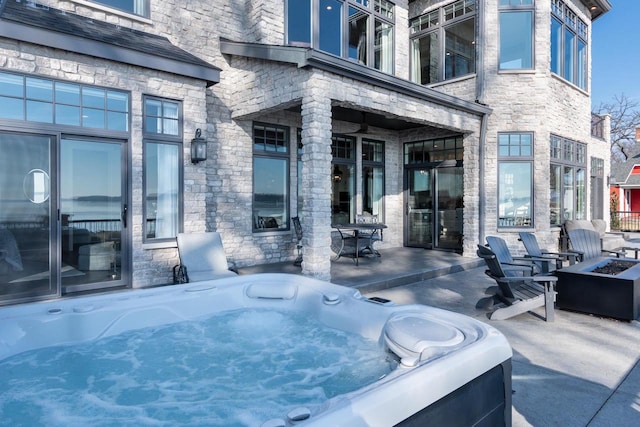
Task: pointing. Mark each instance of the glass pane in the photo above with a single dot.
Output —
(137, 7)
(93, 97)
(40, 111)
(93, 118)
(11, 108)
(460, 51)
(555, 198)
(383, 47)
(270, 193)
(556, 46)
(569, 56)
(568, 195)
(581, 194)
(581, 80)
(67, 93)
(39, 89)
(449, 190)
(153, 107)
(152, 124)
(425, 60)
(419, 208)
(117, 101)
(514, 194)
(117, 121)
(516, 40)
(91, 207)
(299, 21)
(358, 35)
(11, 85)
(342, 196)
(170, 110)
(373, 191)
(170, 127)
(162, 162)
(67, 115)
(25, 229)
(331, 26)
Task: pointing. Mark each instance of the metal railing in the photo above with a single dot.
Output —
(625, 220)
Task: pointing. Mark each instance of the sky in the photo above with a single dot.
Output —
(615, 53)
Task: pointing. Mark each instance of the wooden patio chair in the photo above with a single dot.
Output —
(587, 245)
(515, 294)
(532, 247)
(509, 262)
(202, 257)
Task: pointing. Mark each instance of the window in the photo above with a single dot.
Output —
(569, 35)
(567, 180)
(360, 30)
(373, 178)
(516, 34)
(515, 180)
(299, 166)
(48, 101)
(136, 7)
(597, 188)
(443, 43)
(270, 177)
(343, 178)
(162, 168)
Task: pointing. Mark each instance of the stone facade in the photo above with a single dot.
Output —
(218, 193)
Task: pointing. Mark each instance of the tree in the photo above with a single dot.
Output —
(625, 117)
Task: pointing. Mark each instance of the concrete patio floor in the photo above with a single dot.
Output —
(580, 370)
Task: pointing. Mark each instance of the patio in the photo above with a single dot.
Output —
(580, 370)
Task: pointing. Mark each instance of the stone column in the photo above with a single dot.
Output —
(316, 184)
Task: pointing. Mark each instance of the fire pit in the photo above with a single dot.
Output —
(603, 286)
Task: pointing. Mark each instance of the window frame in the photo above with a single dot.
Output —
(109, 5)
(437, 23)
(517, 7)
(349, 162)
(569, 23)
(568, 155)
(160, 138)
(515, 158)
(281, 155)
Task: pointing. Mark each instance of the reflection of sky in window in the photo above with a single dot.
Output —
(270, 176)
(515, 40)
(299, 21)
(90, 169)
(330, 26)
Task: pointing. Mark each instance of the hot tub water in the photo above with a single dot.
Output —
(235, 369)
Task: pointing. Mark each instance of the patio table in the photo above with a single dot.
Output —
(357, 238)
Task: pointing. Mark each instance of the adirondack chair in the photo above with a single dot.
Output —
(532, 247)
(515, 294)
(511, 263)
(587, 244)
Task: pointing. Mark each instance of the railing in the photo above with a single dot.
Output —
(625, 220)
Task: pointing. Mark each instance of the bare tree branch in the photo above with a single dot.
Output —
(625, 117)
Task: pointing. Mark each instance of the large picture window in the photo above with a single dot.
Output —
(567, 180)
(270, 177)
(360, 30)
(162, 168)
(443, 43)
(569, 35)
(516, 34)
(515, 180)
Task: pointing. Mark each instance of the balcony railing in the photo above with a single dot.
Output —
(625, 220)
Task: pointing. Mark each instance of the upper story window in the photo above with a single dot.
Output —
(135, 7)
(443, 43)
(516, 34)
(43, 100)
(360, 30)
(569, 35)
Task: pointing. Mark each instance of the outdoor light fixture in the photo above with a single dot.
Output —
(198, 148)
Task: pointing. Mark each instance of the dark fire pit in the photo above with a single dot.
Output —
(603, 286)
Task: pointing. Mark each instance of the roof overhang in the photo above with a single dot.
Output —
(304, 57)
(597, 8)
(28, 23)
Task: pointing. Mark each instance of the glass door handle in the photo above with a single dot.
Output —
(124, 216)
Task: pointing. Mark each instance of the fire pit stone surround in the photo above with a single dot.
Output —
(611, 295)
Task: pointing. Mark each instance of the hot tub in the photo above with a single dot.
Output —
(449, 369)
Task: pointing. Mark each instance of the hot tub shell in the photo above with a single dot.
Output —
(453, 370)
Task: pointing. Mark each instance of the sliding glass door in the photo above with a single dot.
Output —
(93, 213)
(26, 212)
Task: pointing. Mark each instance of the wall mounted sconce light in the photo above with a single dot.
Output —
(198, 148)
